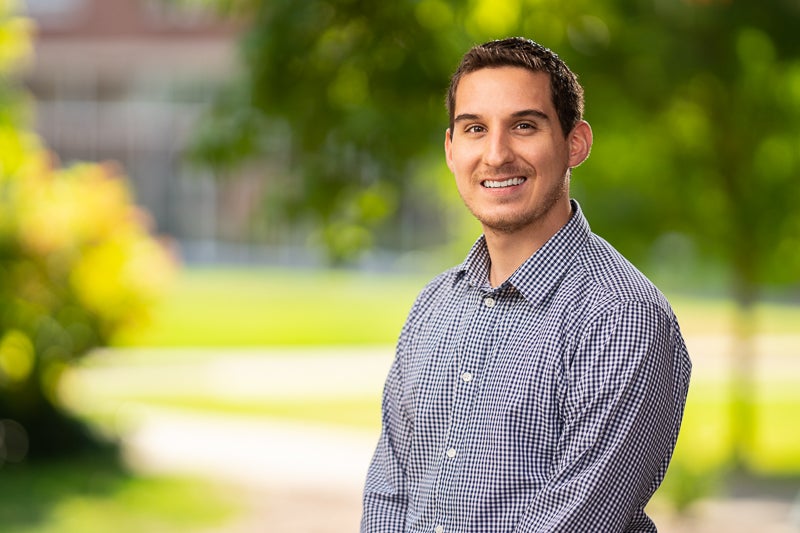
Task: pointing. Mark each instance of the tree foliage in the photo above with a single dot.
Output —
(346, 93)
(715, 98)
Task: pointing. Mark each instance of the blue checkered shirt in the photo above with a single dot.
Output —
(549, 403)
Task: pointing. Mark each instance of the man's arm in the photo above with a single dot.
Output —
(625, 389)
(385, 497)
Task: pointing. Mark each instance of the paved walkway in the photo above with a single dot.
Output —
(302, 478)
(293, 478)
(252, 452)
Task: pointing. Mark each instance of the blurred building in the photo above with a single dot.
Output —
(125, 80)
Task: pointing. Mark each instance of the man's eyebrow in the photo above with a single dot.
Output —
(531, 113)
(466, 116)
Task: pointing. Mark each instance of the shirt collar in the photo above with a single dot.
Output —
(540, 272)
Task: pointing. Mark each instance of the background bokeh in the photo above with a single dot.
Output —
(214, 215)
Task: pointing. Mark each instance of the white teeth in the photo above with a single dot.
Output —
(505, 183)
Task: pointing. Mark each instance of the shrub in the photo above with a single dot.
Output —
(77, 262)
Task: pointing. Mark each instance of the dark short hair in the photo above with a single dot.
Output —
(566, 92)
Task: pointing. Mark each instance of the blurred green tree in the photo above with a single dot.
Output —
(76, 264)
(348, 94)
(695, 105)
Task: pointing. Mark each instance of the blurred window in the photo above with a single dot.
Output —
(53, 7)
(61, 13)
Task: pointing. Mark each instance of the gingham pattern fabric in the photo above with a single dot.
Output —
(549, 403)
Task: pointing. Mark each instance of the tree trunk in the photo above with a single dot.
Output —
(742, 379)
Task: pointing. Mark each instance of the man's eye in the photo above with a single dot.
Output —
(474, 129)
(526, 126)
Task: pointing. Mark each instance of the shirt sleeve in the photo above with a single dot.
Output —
(622, 400)
(385, 495)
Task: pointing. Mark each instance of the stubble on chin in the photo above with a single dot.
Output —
(511, 223)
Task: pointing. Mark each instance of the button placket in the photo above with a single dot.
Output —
(470, 359)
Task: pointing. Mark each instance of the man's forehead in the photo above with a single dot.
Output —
(496, 86)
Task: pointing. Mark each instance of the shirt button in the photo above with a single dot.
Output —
(467, 377)
(488, 301)
(451, 453)
(439, 529)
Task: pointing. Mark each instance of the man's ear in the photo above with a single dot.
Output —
(580, 143)
(448, 148)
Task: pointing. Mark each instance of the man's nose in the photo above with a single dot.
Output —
(498, 150)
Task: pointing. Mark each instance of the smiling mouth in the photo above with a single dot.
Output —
(510, 182)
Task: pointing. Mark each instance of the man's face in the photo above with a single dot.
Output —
(507, 152)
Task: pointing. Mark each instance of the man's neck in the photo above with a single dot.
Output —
(507, 251)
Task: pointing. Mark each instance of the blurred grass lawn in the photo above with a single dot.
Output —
(95, 495)
(268, 307)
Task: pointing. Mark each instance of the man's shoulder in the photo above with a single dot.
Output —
(609, 275)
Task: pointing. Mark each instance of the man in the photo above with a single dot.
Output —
(540, 385)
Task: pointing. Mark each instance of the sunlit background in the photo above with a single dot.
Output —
(214, 215)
